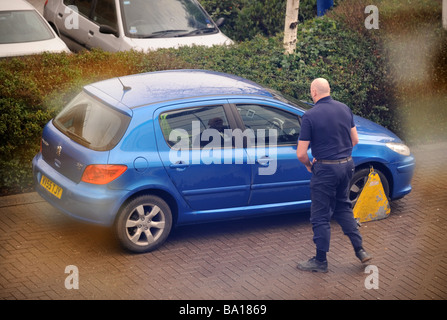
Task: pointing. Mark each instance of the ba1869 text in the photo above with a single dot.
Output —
(244, 309)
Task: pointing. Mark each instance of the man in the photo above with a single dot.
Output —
(330, 130)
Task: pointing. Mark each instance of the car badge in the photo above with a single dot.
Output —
(45, 142)
(79, 166)
(58, 151)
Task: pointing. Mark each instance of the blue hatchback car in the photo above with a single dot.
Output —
(145, 152)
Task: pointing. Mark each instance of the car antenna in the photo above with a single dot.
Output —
(125, 88)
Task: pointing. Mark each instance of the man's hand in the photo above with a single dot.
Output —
(301, 153)
(310, 164)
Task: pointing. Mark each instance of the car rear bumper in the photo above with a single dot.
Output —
(87, 202)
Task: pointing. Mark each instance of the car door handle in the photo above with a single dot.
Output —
(263, 161)
(179, 165)
(60, 15)
(91, 33)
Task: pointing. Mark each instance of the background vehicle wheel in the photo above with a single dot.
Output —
(144, 224)
(358, 181)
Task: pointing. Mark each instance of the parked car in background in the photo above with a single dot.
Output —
(23, 31)
(145, 152)
(120, 25)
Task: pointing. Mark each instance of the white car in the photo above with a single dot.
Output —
(121, 25)
(23, 31)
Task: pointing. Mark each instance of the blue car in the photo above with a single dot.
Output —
(146, 152)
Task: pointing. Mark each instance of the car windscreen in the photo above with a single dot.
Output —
(164, 18)
(91, 123)
(23, 26)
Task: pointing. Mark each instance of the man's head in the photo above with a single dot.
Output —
(319, 88)
(216, 123)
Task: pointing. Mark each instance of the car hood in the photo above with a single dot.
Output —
(36, 47)
(175, 42)
(368, 130)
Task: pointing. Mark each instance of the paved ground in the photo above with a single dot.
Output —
(251, 259)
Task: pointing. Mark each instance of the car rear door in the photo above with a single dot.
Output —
(197, 151)
(72, 20)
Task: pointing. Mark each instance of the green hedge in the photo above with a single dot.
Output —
(245, 19)
(324, 49)
(33, 89)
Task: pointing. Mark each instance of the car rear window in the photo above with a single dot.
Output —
(91, 123)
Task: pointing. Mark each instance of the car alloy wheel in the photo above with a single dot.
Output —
(144, 223)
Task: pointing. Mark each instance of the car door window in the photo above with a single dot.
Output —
(260, 119)
(105, 13)
(84, 7)
(198, 127)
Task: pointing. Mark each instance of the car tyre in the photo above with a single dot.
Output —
(358, 182)
(144, 224)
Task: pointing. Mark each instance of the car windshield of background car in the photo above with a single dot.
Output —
(167, 18)
(23, 26)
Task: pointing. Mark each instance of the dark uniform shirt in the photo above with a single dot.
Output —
(328, 128)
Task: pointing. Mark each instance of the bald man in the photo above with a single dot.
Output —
(330, 130)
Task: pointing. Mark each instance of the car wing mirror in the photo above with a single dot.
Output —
(108, 30)
(220, 22)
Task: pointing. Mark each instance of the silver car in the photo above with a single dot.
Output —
(23, 31)
(120, 25)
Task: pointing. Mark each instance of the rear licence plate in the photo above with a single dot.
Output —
(53, 188)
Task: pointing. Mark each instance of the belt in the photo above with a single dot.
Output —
(339, 161)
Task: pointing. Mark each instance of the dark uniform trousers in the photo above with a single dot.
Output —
(330, 199)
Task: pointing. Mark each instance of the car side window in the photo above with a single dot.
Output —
(197, 127)
(265, 118)
(84, 7)
(105, 13)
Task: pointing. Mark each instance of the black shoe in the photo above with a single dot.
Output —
(363, 256)
(313, 265)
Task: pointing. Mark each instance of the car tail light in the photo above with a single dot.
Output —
(102, 173)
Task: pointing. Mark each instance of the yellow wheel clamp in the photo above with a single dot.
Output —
(372, 203)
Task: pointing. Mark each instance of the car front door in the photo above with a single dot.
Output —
(104, 14)
(278, 176)
(79, 21)
(195, 144)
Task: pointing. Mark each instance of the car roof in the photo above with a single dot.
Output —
(6, 5)
(155, 87)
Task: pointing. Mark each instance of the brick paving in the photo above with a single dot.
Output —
(239, 260)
